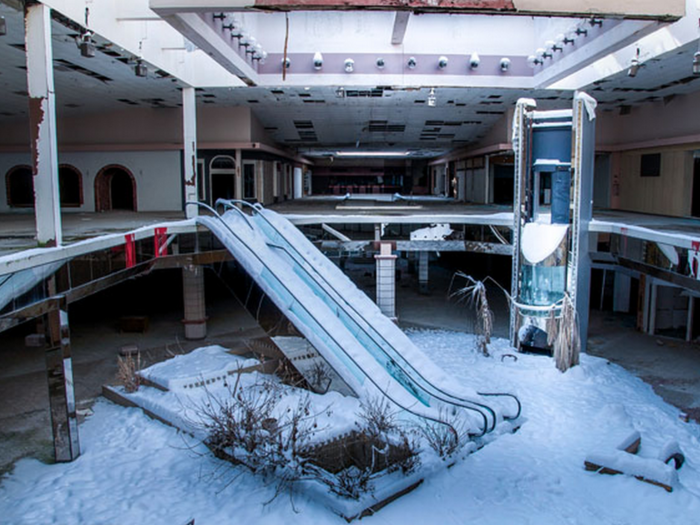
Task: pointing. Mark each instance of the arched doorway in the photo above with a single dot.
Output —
(70, 186)
(19, 183)
(222, 177)
(115, 189)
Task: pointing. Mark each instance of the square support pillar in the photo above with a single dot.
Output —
(238, 181)
(386, 281)
(195, 320)
(42, 124)
(189, 171)
(59, 370)
(423, 265)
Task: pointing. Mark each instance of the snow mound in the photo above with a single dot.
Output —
(436, 232)
(202, 365)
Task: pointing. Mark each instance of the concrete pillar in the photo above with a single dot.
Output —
(238, 182)
(42, 123)
(386, 280)
(298, 183)
(423, 260)
(59, 370)
(621, 297)
(189, 171)
(195, 320)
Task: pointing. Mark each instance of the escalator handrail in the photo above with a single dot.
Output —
(368, 376)
(259, 208)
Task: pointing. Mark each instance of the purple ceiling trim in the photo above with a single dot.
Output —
(365, 63)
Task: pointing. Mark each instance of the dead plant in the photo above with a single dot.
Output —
(445, 436)
(475, 293)
(128, 372)
(563, 334)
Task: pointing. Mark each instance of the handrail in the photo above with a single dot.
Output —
(368, 376)
(259, 208)
(486, 423)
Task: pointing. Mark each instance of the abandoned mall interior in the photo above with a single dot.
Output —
(302, 184)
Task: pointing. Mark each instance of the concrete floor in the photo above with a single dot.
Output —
(671, 367)
(18, 230)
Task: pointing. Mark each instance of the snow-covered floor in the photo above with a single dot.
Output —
(136, 470)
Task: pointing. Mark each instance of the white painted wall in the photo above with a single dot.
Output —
(370, 32)
(157, 174)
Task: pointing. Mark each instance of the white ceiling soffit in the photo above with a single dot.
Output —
(667, 39)
(641, 9)
(620, 36)
(131, 25)
(195, 29)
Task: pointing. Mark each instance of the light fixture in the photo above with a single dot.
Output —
(86, 45)
(244, 40)
(141, 69)
(552, 46)
(340, 92)
(634, 68)
(318, 60)
(442, 62)
(411, 64)
(286, 63)
(696, 63)
(380, 63)
(252, 44)
(596, 22)
(3, 26)
(371, 153)
(564, 38)
(474, 60)
(635, 64)
(230, 23)
(542, 53)
(505, 64)
(349, 65)
(432, 99)
(581, 31)
(534, 61)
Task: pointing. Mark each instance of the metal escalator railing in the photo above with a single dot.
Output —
(330, 336)
(453, 399)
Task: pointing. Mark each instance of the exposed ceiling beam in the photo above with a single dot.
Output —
(643, 9)
(400, 25)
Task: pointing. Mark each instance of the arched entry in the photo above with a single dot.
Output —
(70, 186)
(19, 183)
(115, 189)
(222, 177)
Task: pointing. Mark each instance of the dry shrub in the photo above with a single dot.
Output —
(128, 370)
(475, 293)
(446, 436)
(563, 334)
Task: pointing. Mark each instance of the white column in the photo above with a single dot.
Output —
(195, 320)
(298, 183)
(189, 126)
(238, 182)
(423, 260)
(386, 280)
(621, 297)
(42, 124)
